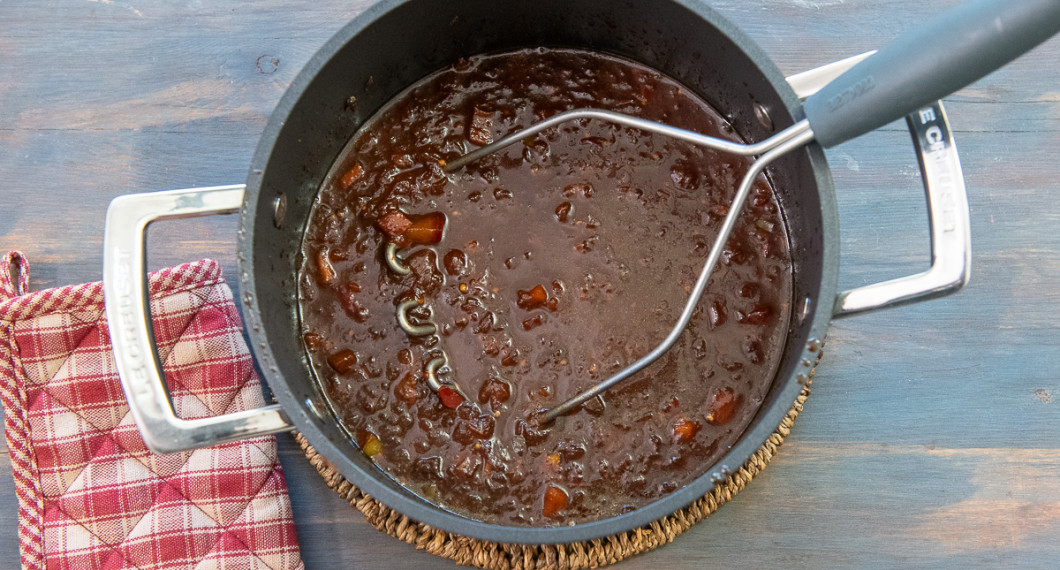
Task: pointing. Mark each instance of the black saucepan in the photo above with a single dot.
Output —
(396, 42)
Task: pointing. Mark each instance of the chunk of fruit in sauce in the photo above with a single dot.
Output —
(467, 466)
(394, 223)
(456, 262)
(426, 229)
(556, 499)
(352, 175)
(450, 398)
(482, 426)
(481, 129)
(372, 446)
(342, 360)
(685, 430)
(717, 314)
(407, 389)
(563, 211)
(533, 322)
(723, 406)
(325, 271)
(312, 340)
(495, 391)
(532, 299)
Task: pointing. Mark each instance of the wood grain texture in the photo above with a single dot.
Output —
(931, 438)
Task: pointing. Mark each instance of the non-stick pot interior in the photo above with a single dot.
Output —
(392, 45)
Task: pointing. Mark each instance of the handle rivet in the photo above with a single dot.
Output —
(807, 306)
(279, 210)
(314, 408)
(762, 114)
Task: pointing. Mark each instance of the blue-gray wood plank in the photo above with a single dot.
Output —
(932, 438)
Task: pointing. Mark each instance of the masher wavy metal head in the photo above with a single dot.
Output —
(946, 53)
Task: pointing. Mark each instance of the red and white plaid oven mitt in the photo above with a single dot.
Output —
(91, 495)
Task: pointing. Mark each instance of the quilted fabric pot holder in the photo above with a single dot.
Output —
(91, 495)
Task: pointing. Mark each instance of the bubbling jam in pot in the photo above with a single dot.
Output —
(544, 269)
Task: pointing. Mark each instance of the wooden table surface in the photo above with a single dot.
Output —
(932, 438)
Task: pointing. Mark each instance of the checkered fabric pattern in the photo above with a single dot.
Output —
(91, 495)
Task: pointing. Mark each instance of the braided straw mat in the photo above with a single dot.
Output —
(566, 556)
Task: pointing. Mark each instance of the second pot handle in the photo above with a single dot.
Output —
(129, 321)
(948, 223)
(947, 203)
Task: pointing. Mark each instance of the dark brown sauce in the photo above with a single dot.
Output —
(563, 259)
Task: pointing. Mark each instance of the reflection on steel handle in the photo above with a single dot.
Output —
(129, 321)
(809, 82)
(947, 202)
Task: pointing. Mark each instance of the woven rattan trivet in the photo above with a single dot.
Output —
(571, 555)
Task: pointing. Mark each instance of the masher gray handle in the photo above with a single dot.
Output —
(946, 53)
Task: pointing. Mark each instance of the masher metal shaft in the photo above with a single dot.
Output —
(777, 145)
(627, 120)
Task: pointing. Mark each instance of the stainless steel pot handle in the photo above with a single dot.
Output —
(129, 317)
(947, 202)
